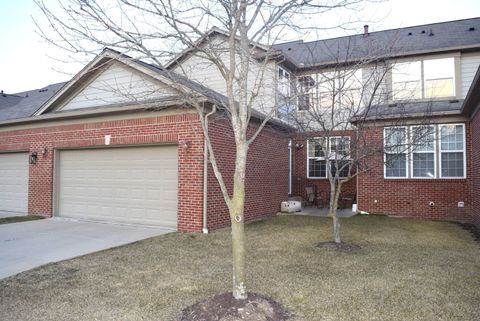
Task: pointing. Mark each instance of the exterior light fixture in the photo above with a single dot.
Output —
(298, 146)
(33, 158)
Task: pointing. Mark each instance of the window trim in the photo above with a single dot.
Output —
(423, 97)
(440, 153)
(327, 153)
(406, 152)
(435, 174)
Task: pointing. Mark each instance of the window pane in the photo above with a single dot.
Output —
(396, 165)
(343, 164)
(316, 148)
(317, 168)
(395, 140)
(339, 147)
(283, 82)
(439, 87)
(452, 164)
(424, 165)
(439, 75)
(406, 78)
(423, 138)
(451, 137)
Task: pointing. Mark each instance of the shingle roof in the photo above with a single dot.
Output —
(414, 109)
(25, 104)
(388, 43)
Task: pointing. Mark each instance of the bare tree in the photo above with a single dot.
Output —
(240, 51)
(338, 106)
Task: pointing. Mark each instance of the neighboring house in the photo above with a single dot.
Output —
(87, 150)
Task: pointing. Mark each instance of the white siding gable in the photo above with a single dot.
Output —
(469, 66)
(116, 85)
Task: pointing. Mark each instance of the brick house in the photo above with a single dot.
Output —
(86, 150)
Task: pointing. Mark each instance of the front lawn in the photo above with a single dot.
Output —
(408, 270)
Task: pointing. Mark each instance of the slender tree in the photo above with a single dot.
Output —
(240, 51)
(339, 106)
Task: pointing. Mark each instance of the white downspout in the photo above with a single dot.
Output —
(289, 167)
(205, 174)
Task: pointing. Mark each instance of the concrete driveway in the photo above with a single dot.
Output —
(26, 245)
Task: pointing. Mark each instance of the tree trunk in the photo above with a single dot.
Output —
(238, 251)
(237, 211)
(336, 229)
(335, 195)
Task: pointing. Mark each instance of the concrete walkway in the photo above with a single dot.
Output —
(26, 245)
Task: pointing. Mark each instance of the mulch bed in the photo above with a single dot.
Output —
(224, 307)
(343, 247)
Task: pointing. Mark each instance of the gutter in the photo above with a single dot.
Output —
(205, 173)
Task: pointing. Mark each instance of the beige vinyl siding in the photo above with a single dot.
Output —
(117, 84)
(202, 70)
(135, 185)
(14, 183)
(469, 66)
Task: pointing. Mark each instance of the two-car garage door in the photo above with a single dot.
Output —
(136, 185)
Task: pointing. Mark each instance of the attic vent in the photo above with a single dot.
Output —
(409, 33)
(471, 29)
(289, 49)
(1, 93)
(431, 33)
(423, 31)
(453, 101)
(392, 105)
(43, 90)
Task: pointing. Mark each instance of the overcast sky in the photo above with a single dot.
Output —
(26, 63)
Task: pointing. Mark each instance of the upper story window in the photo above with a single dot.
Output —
(284, 82)
(428, 78)
(413, 152)
(330, 89)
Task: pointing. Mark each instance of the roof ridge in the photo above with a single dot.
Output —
(379, 31)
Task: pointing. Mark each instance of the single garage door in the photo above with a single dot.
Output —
(135, 185)
(14, 183)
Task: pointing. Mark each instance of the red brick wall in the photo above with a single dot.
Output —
(475, 137)
(411, 197)
(266, 177)
(300, 180)
(153, 130)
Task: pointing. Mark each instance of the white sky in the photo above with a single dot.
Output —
(25, 61)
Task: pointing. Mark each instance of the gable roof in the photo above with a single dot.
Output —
(435, 37)
(26, 103)
(156, 72)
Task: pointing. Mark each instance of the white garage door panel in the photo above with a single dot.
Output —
(131, 185)
(14, 183)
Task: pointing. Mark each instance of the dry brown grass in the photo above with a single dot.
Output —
(407, 270)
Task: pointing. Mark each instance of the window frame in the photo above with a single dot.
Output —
(423, 89)
(464, 151)
(326, 158)
(434, 151)
(406, 152)
(437, 153)
(288, 81)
